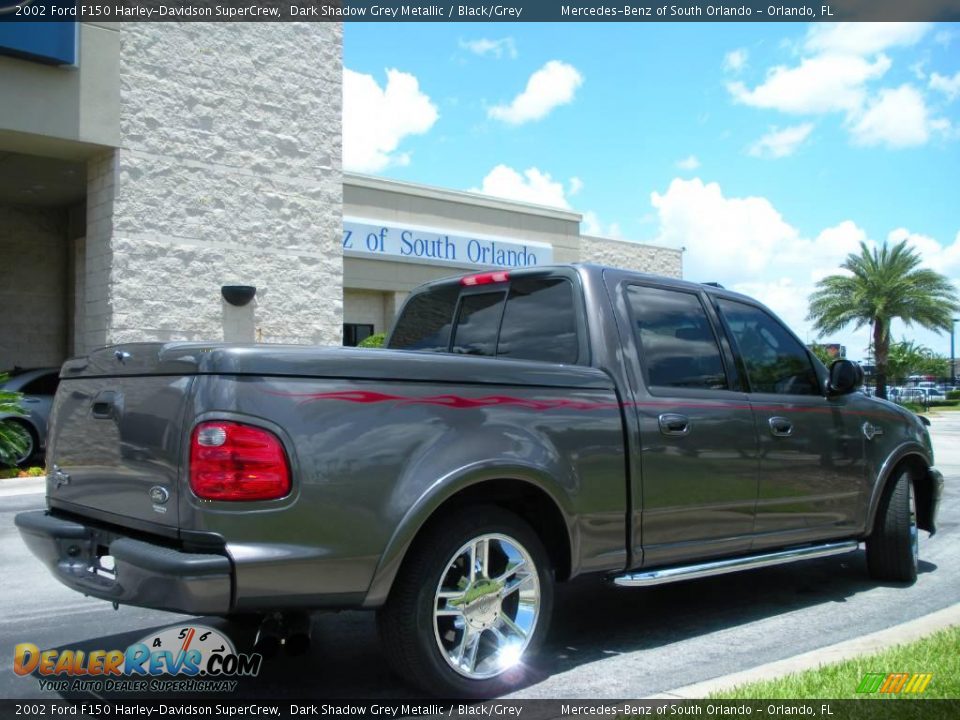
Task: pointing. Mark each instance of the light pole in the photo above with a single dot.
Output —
(953, 362)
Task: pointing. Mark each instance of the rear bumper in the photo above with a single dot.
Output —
(144, 574)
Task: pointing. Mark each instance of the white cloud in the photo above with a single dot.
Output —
(821, 84)
(943, 38)
(593, 226)
(840, 66)
(533, 186)
(549, 87)
(745, 244)
(504, 47)
(781, 143)
(575, 186)
(376, 120)
(896, 118)
(690, 162)
(725, 236)
(735, 60)
(949, 86)
(919, 69)
(942, 258)
(863, 38)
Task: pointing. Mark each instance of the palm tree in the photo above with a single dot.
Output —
(878, 286)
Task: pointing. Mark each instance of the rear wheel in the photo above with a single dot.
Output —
(893, 546)
(471, 604)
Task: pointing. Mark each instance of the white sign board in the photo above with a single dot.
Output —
(413, 243)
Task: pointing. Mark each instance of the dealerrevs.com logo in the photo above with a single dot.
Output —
(181, 658)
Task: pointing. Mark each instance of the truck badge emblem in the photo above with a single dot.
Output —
(159, 494)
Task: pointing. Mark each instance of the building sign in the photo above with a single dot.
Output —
(27, 32)
(413, 243)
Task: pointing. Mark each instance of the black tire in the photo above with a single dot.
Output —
(892, 546)
(408, 635)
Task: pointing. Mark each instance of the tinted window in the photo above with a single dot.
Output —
(477, 324)
(426, 321)
(776, 362)
(540, 322)
(676, 339)
(43, 385)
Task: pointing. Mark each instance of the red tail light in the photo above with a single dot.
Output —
(485, 278)
(230, 461)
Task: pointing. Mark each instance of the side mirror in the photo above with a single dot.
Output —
(845, 377)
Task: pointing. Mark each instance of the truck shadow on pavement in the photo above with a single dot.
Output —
(592, 621)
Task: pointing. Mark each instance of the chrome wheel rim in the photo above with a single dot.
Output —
(914, 534)
(486, 606)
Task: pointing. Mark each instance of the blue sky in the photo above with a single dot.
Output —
(767, 150)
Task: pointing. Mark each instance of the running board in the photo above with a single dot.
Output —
(661, 576)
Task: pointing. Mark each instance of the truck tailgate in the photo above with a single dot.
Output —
(114, 450)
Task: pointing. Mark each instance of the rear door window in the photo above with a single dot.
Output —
(676, 338)
(540, 322)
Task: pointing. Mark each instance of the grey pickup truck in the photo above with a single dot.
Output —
(522, 428)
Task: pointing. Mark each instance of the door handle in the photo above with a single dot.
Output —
(673, 424)
(103, 405)
(780, 427)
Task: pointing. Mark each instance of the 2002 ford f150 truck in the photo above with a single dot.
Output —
(523, 428)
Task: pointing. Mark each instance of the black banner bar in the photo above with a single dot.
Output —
(478, 11)
(889, 709)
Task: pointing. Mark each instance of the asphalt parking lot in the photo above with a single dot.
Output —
(605, 642)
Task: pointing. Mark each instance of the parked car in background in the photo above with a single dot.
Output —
(38, 387)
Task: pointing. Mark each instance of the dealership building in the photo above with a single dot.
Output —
(151, 173)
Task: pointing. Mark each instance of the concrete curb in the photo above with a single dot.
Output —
(23, 486)
(865, 645)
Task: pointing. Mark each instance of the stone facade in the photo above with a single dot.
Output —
(34, 295)
(228, 172)
(632, 256)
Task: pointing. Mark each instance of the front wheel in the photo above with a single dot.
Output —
(893, 546)
(472, 603)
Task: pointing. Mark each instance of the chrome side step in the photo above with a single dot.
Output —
(661, 576)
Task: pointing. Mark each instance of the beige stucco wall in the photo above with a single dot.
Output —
(632, 256)
(227, 172)
(33, 252)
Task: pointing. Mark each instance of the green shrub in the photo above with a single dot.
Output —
(953, 394)
(12, 438)
(6, 473)
(36, 472)
(374, 341)
(914, 407)
(944, 403)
